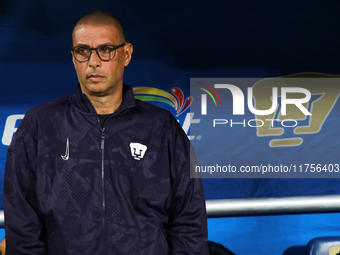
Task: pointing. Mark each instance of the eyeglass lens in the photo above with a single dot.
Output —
(105, 52)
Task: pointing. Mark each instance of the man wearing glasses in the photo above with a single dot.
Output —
(100, 172)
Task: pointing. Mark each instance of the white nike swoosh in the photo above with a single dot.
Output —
(67, 153)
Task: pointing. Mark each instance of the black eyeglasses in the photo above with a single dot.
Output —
(104, 52)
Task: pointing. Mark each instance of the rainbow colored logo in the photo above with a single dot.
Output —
(153, 94)
(209, 93)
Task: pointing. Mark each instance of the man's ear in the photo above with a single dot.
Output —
(73, 60)
(128, 53)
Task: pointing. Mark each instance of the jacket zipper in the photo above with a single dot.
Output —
(102, 141)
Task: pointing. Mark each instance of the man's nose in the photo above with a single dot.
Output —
(94, 60)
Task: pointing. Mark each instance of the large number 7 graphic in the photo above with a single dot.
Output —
(325, 90)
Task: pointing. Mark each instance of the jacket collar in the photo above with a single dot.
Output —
(85, 105)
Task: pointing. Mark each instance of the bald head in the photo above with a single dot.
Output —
(100, 18)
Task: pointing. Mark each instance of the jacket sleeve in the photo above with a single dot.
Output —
(24, 228)
(187, 227)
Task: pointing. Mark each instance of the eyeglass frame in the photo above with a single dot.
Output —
(96, 49)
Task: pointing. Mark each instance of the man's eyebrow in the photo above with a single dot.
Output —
(88, 46)
(82, 45)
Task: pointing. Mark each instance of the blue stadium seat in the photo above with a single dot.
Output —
(326, 245)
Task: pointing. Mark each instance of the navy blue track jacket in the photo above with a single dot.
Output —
(75, 188)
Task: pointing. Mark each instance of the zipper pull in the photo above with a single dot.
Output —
(102, 140)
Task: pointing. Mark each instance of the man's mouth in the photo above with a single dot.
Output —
(95, 77)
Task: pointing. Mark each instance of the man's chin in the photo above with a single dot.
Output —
(98, 92)
(96, 89)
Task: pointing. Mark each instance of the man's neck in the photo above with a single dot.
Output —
(106, 104)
